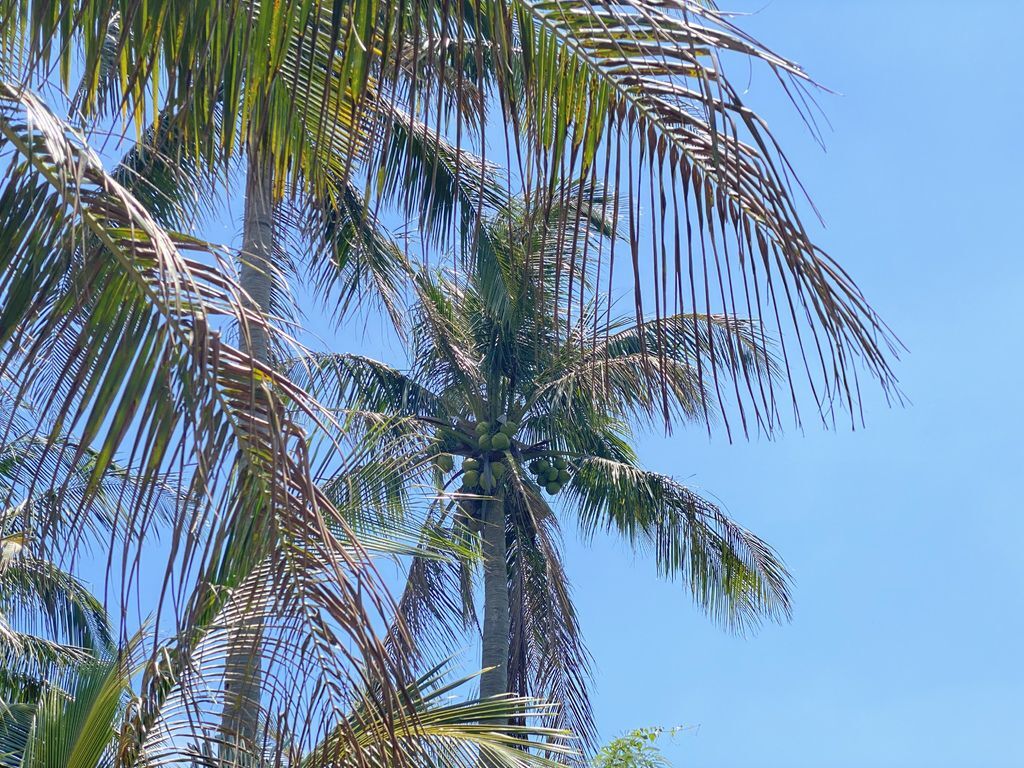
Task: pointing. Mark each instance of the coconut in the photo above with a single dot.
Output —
(563, 475)
(552, 475)
(445, 463)
(487, 483)
(509, 428)
(470, 464)
(559, 463)
(471, 478)
(484, 442)
(483, 428)
(553, 488)
(500, 442)
(497, 469)
(542, 466)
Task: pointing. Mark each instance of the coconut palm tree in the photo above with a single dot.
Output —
(327, 101)
(541, 418)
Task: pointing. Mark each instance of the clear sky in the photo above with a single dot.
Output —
(905, 537)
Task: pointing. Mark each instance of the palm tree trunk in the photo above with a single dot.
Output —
(497, 623)
(243, 673)
(258, 246)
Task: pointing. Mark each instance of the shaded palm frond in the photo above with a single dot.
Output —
(362, 383)
(352, 258)
(667, 367)
(49, 601)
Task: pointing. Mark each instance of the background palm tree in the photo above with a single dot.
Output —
(539, 413)
(49, 622)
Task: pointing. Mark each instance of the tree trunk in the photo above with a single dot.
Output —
(258, 246)
(496, 612)
(243, 672)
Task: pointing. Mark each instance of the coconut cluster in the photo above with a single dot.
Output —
(486, 471)
(551, 475)
(490, 446)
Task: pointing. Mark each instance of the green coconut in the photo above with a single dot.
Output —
(563, 476)
(559, 462)
(542, 466)
(500, 442)
(509, 428)
(471, 478)
(445, 462)
(553, 488)
(483, 428)
(498, 470)
(484, 443)
(487, 483)
(552, 475)
(469, 464)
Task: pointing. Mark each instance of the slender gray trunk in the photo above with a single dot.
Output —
(258, 246)
(243, 673)
(496, 612)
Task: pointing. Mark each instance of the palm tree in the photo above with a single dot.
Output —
(541, 418)
(49, 621)
(335, 97)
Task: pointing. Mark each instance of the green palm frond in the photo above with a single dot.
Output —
(51, 602)
(731, 573)
(75, 725)
(669, 366)
(173, 385)
(443, 731)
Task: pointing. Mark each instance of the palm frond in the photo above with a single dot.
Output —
(732, 574)
(441, 731)
(668, 367)
(640, 88)
(172, 385)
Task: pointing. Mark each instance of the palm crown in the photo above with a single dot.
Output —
(509, 377)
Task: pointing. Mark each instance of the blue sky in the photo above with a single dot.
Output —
(904, 537)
